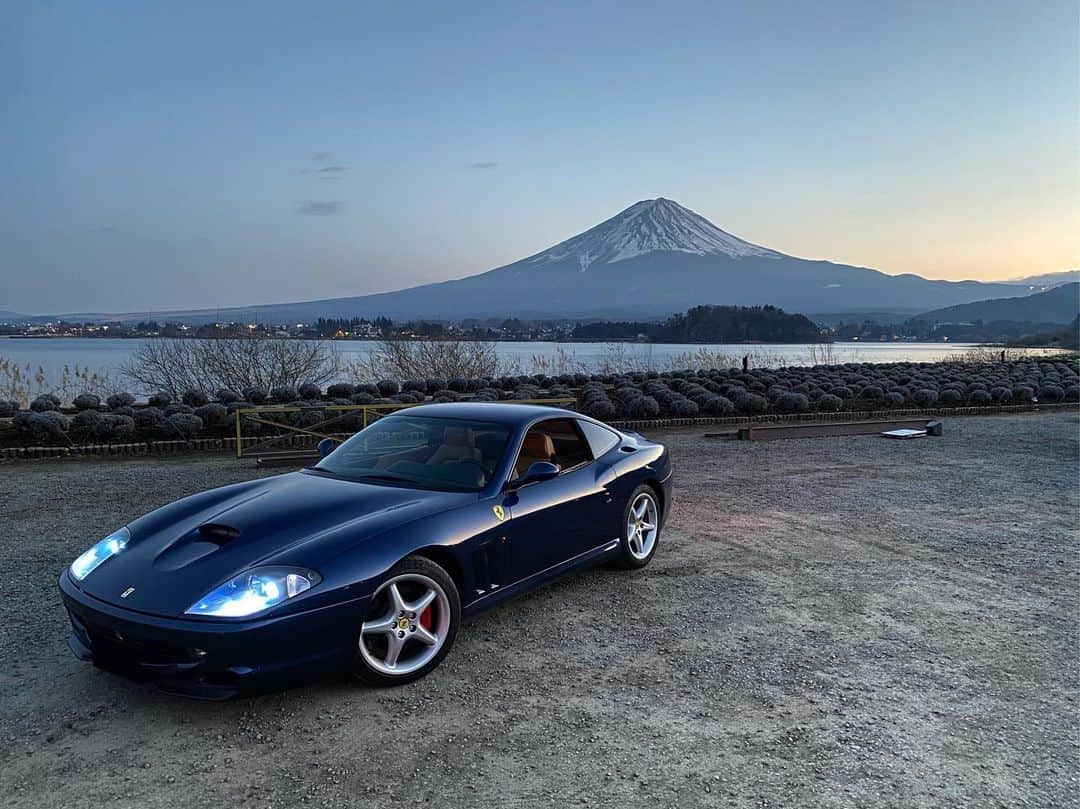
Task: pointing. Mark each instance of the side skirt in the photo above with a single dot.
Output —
(585, 559)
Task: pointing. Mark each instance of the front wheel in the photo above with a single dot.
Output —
(410, 626)
(641, 527)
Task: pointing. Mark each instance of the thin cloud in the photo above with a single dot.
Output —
(322, 157)
(482, 165)
(329, 208)
(326, 172)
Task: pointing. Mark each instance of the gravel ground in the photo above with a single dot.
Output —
(828, 622)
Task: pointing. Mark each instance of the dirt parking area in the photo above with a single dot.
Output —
(832, 622)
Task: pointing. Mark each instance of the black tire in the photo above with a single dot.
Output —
(628, 558)
(362, 669)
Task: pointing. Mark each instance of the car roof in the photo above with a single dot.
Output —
(498, 412)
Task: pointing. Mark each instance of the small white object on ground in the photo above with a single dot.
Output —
(904, 433)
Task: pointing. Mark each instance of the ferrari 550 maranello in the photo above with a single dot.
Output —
(367, 561)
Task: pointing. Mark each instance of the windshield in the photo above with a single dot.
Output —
(435, 453)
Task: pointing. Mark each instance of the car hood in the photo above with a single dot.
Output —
(180, 552)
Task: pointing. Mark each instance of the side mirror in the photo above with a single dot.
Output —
(537, 471)
(326, 446)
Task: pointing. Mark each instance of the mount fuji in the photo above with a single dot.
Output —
(651, 260)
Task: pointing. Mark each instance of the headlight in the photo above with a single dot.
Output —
(106, 549)
(255, 591)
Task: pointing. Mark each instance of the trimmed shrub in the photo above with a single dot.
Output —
(1051, 393)
(1001, 395)
(387, 387)
(751, 403)
(950, 397)
(284, 394)
(340, 390)
(45, 403)
(894, 399)
(184, 426)
(226, 396)
(213, 414)
(643, 407)
(255, 395)
(603, 409)
(1072, 393)
(924, 397)
(1023, 393)
(310, 392)
(441, 396)
(979, 396)
(8, 408)
(793, 403)
(458, 384)
(362, 398)
(121, 399)
(87, 401)
(112, 428)
(684, 408)
(872, 393)
(195, 398)
(123, 410)
(84, 421)
(829, 403)
(160, 400)
(176, 407)
(44, 425)
(149, 419)
(308, 417)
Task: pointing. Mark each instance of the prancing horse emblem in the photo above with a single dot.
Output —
(500, 513)
(127, 592)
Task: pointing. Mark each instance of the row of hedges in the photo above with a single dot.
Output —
(676, 394)
(830, 389)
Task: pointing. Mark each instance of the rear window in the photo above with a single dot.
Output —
(600, 439)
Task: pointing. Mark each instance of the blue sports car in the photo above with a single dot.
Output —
(368, 560)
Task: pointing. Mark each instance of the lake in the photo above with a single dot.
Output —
(104, 356)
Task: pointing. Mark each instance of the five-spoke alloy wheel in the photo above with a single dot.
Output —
(410, 625)
(641, 527)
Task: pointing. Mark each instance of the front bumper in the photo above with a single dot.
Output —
(212, 659)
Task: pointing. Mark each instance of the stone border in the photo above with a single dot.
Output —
(304, 441)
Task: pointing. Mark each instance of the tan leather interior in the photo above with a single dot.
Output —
(537, 446)
(459, 444)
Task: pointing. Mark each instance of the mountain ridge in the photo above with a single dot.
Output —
(650, 260)
(1058, 305)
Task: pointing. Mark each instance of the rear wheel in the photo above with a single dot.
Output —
(641, 527)
(410, 626)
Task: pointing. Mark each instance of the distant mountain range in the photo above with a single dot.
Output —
(1058, 305)
(651, 260)
(1038, 283)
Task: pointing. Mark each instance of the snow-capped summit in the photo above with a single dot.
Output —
(649, 226)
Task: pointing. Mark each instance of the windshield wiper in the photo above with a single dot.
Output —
(386, 476)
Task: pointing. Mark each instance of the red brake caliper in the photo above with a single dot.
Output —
(425, 619)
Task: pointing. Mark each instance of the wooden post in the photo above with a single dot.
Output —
(239, 437)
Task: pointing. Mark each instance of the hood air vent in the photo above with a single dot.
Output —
(217, 533)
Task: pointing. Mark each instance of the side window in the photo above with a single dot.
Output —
(600, 439)
(555, 440)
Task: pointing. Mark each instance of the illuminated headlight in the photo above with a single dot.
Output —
(100, 552)
(255, 591)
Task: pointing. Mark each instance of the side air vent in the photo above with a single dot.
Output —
(217, 533)
(628, 448)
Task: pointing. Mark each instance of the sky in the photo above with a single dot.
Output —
(201, 154)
